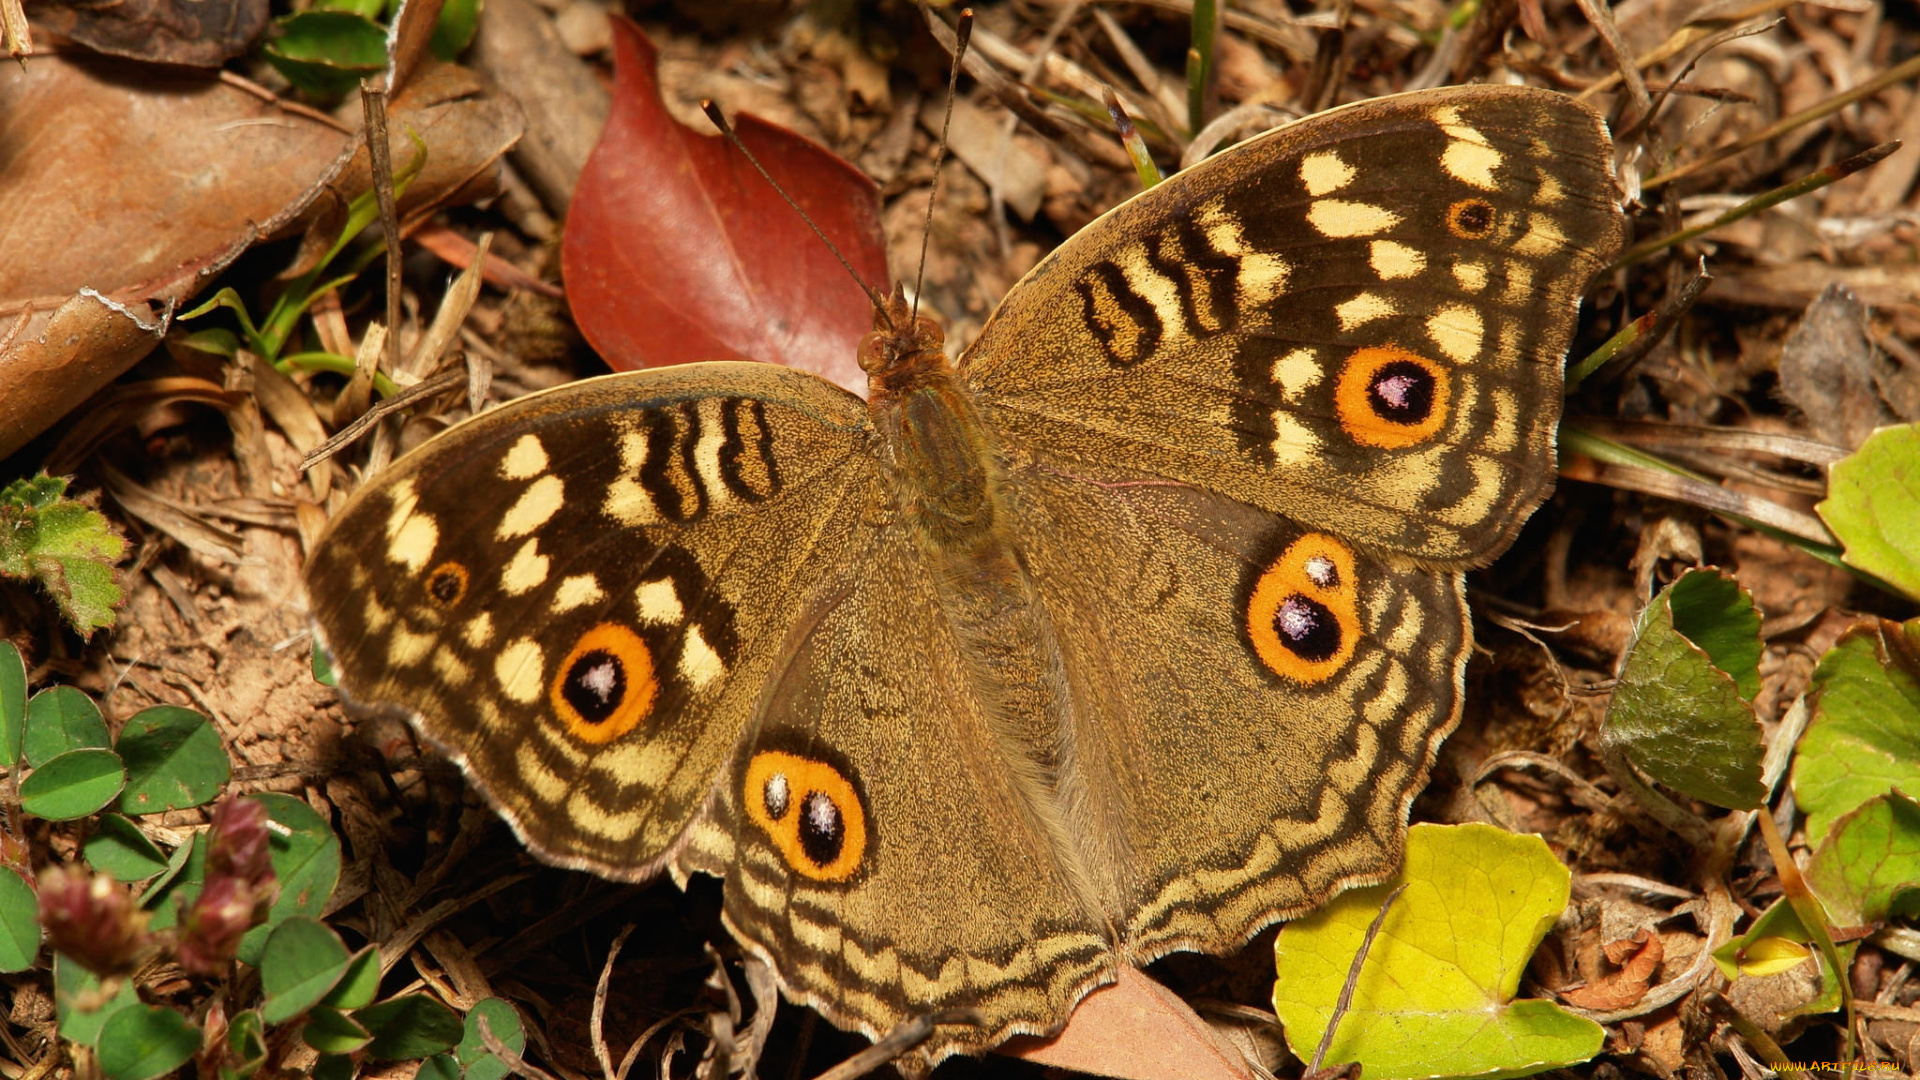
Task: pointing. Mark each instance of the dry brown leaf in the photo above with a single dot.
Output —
(981, 140)
(195, 33)
(1828, 369)
(1638, 960)
(141, 179)
(142, 183)
(55, 362)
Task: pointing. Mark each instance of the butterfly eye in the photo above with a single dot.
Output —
(1302, 614)
(1391, 398)
(1470, 219)
(447, 584)
(606, 685)
(827, 839)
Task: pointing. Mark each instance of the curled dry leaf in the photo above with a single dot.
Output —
(194, 33)
(1636, 961)
(677, 250)
(141, 184)
(140, 180)
(56, 362)
(1828, 368)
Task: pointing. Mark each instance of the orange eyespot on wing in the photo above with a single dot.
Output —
(1470, 219)
(1303, 614)
(812, 812)
(447, 584)
(1391, 398)
(606, 685)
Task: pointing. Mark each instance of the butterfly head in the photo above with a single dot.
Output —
(903, 351)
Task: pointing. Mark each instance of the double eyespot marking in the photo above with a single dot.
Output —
(811, 810)
(1303, 612)
(605, 686)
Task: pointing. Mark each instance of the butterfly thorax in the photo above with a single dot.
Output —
(940, 457)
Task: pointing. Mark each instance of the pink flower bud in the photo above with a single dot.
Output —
(91, 918)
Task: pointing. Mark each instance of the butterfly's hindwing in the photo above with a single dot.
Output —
(1270, 681)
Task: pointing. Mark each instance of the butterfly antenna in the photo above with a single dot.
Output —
(962, 33)
(720, 121)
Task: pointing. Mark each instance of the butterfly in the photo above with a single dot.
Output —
(1134, 631)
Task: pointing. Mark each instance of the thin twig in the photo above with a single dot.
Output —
(373, 102)
(596, 1023)
(905, 1036)
(1785, 124)
(514, 1062)
(1353, 978)
(450, 379)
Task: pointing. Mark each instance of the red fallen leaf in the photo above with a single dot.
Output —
(677, 250)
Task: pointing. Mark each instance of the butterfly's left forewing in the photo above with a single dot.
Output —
(579, 594)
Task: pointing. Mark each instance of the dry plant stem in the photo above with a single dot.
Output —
(1257, 27)
(1834, 104)
(396, 947)
(1014, 95)
(1717, 440)
(514, 1062)
(1813, 181)
(1586, 456)
(446, 380)
(1004, 90)
(1353, 978)
(905, 1036)
(633, 1052)
(1329, 61)
(447, 321)
(596, 1023)
(1579, 789)
(1633, 131)
(719, 120)
(1598, 14)
(1152, 87)
(1763, 1044)
(1631, 882)
(1209, 138)
(1614, 357)
(1813, 919)
(1685, 36)
(373, 103)
(15, 33)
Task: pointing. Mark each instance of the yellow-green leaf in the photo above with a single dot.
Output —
(1436, 994)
